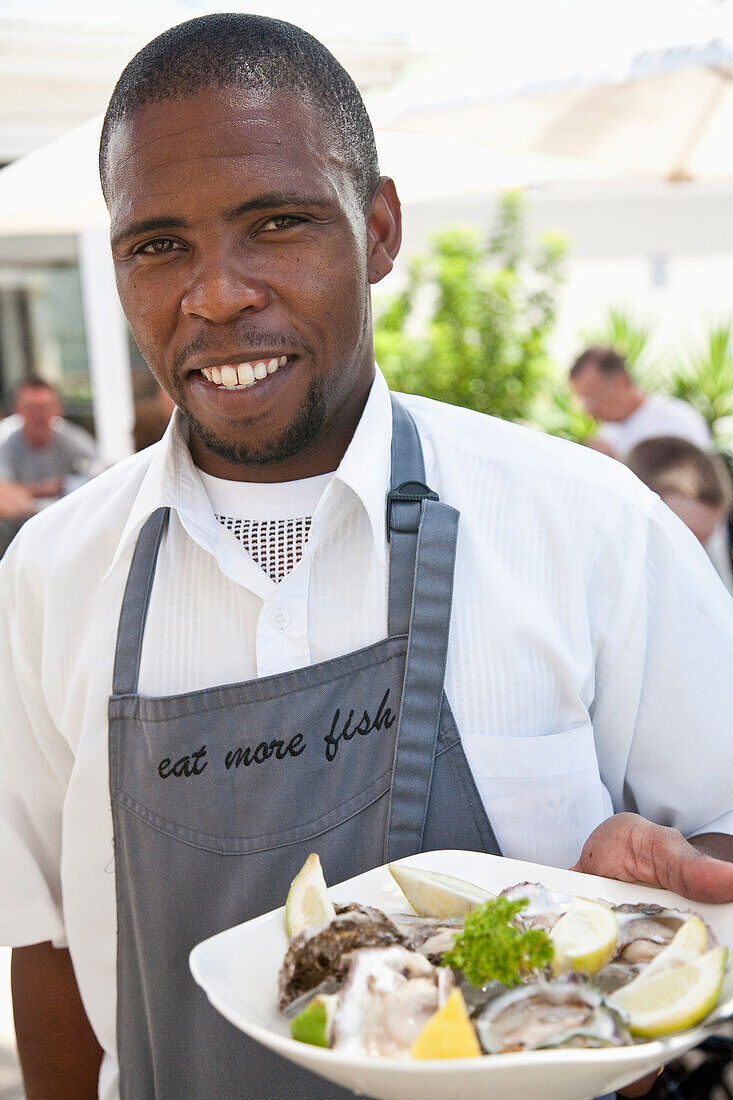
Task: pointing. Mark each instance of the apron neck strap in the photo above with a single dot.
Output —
(135, 604)
(423, 534)
(404, 512)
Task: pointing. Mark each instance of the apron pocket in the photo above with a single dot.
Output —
(237, 775)
(543, 793)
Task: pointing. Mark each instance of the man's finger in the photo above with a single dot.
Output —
(641, 1087)
(632, 849)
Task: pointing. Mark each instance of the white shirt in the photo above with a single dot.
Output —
(588, 669)
(658, 414)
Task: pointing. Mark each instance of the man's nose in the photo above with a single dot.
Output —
(221, 289)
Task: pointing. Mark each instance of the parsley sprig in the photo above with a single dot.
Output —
(492, 948)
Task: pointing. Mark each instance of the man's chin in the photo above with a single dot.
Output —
(280, 447)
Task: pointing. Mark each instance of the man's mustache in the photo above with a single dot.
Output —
(203, 345)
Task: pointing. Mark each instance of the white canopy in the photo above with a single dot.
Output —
(56, 189)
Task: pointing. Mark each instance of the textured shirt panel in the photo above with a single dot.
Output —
(277, 545)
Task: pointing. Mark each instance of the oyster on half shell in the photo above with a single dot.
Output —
(319, 959)
(644, 930)
(567, 1011)
(544, 907)
(388, 997)
(431, 936)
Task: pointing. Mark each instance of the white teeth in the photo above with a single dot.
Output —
(245, 374)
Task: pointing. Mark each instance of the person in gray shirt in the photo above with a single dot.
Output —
(38, 458)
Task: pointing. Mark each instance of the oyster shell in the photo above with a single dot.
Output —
(431, 936)
(567, 1011)
(318, 960)
(644, 930)
(544, 907)
(388, 997)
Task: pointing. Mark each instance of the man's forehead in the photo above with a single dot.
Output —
(588, 377)
(220, 124)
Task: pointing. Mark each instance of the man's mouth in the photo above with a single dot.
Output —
(241, 376)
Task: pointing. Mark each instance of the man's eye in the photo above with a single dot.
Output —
(280, 221)
(158, 247)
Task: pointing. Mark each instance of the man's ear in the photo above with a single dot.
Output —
(384, 225)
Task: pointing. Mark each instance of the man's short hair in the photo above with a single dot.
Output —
(607, 360)
(671, 465)
(234, 50)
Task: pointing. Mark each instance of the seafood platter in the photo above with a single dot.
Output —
(457, 975)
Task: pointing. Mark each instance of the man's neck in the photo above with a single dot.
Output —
(635, 400)
(37, 440)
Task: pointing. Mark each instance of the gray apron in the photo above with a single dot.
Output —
(219, 795)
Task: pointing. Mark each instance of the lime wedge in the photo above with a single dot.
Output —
(313, 1024)
(584, 937)
(308, 904)
(448, 1033)
(434, 895)
(671, 1000)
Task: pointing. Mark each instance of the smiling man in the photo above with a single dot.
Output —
(313, 617)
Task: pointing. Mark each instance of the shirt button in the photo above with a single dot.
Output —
(280, 619)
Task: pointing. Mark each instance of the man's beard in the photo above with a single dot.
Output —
(290, 442)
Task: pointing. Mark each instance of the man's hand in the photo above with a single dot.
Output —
(15, 501)
(49, 487)
(630, 848)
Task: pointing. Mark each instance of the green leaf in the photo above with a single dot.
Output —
(492, 948)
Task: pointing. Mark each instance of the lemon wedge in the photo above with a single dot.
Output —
(448, 1033)
(584, 937)
(434, 895)
(308, 904)
(688, 944)
(673, 999)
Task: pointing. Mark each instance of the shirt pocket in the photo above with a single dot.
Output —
(543, 792)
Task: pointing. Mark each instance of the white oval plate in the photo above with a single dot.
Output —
(238, 970)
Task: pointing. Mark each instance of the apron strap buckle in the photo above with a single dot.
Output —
(410, 493)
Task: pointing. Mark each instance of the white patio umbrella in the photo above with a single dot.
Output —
(55, 189)
(672, 124)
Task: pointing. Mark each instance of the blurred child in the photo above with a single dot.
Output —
(694, 484)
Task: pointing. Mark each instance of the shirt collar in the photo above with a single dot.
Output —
(172, 480)
(366, 466)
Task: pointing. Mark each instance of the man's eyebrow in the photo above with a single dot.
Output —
(148, 225)
(277, 199)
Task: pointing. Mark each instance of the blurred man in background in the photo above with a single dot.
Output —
(629, 416)
(627, 413)
(44, 449)
(41, 459)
